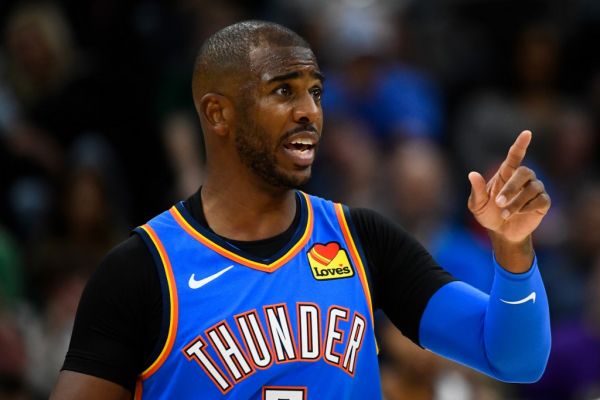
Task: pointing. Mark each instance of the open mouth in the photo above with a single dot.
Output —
(301, 148)
(300, 145)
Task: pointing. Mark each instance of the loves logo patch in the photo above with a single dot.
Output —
(329, 261)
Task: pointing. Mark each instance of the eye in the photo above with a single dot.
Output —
(316, 92)
(283, 90)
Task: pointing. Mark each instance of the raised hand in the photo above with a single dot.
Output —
(514, 202)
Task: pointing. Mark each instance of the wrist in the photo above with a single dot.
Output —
(515, 257)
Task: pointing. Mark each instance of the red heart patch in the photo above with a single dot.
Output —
(328, 251)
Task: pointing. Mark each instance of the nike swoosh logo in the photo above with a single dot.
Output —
(195, 284)
(525, 300)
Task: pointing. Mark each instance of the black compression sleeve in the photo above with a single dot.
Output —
(119, 316)
(404, 276)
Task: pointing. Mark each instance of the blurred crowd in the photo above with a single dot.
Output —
(98, 134)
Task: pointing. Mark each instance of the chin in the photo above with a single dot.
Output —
(302, 177)
(292, 180)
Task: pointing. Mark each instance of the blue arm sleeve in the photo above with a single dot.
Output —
(505, 335)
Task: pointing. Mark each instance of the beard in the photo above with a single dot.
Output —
(258, 152)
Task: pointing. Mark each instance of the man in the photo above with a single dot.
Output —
(252, 289)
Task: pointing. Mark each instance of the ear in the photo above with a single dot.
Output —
(217, 111)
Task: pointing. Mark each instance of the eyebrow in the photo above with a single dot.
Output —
(295, 75)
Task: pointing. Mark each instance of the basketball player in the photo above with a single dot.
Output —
(251, 289)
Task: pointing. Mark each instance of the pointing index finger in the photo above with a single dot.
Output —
(515, 156)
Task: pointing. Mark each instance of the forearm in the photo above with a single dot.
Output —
(505, 335)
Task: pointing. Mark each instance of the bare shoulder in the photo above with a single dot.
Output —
(75, 385)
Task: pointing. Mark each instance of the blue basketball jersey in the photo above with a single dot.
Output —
(296, 326)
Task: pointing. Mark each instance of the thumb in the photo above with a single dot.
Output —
(479, 195)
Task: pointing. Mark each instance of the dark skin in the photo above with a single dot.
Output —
(248, 192)
(510, 205)
(239, 203)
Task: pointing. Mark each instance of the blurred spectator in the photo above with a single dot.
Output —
(568, 162)
(488, 122)
(41, 52)
(409, 372)
(464, 250)
(395, 101)
(44, 75)
(349, 165)
(574, 367)
(85, 227)
(46, 332)
(185, 154)
(419, 193)
(13, 363)
(567, 267)
(177, 34)
(40, 67)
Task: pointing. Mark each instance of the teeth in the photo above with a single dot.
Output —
(303, 141)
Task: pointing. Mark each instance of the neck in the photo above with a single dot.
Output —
(240, 208)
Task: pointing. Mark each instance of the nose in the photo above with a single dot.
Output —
(307, 110)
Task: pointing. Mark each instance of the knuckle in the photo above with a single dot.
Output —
(516, 204)
(547, 200)
(527, 172)
(537, 186)
(542, 186)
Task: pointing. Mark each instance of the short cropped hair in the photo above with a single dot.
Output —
(225, 54)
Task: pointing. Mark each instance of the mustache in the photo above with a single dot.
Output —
(302, 128)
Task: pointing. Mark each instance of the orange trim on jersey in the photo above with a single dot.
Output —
(242, 260)
(339, 211)
(138, 390)
(174, 317)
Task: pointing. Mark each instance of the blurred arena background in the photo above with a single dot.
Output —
(98, 133)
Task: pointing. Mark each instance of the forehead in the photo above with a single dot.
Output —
(267, 62)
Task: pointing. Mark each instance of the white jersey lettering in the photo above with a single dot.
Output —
(254, 338)
(309, 331)
(281, 333)
(334, 335)
(357, 333)
(229, 351)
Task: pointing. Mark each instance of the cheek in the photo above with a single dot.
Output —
(319, 120)
(273, 119)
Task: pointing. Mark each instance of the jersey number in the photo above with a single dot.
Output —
(284, 393)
